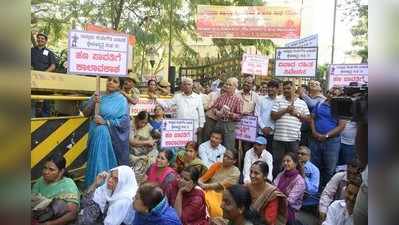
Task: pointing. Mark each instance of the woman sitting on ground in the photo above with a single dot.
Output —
(142, 145)
(291, 182)
(267, 200)
(192, 159)
(219, 176)
(236, 208)
(152, 207)
(109, 199)
(55, 185)
(162, 173)
(190, 200)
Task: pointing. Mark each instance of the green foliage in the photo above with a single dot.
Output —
(148, 20)
(354, 11)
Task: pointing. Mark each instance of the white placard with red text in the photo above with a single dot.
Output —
(176, 133)
(342, 74)
(309, 41)
(296, 62)
(246, 128)
(254, 64)
(93, 53)
(148, 105)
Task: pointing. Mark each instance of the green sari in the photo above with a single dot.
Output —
(64, 189)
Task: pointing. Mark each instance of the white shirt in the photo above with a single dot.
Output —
(251, 157)
(288, 127)
(210, 155)
(249, 101)
(348, 135)
(263, 111)
(337, 214)
(188, 107)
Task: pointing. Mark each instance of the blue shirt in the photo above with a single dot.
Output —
(312, 179)
(324, 121)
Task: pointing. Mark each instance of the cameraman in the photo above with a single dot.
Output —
(326, 141)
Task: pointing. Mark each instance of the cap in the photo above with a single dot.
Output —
(164, 83)
(133, 77)
(261, 140)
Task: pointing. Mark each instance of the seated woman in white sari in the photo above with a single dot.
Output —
(110, 203)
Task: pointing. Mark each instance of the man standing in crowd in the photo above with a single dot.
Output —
(288, 112)
(228, 110)
(263, 110)
(249, 98)
(311, 100)
(42, 59)
(326, 141)
(188, 105)
(314, 96)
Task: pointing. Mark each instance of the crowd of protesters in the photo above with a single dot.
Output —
(303, 159)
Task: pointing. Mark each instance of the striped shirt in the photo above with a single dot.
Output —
(233, 103)
(288, 127)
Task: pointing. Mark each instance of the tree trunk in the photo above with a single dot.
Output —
(118, 12)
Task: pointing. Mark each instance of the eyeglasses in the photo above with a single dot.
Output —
(302, 153)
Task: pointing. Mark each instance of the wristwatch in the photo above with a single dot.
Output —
(327, 136)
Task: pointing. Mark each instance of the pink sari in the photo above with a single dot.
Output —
(167, 178)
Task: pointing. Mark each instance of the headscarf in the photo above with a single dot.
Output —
(121, 199)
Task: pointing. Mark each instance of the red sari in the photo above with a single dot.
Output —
(194, 210)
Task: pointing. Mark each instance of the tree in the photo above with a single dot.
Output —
(353, 10)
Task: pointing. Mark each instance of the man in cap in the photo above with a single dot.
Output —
(164, 87)
(42, 58)
(188, 105)
(131, 93)
(258, 152)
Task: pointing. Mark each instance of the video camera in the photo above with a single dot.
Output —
(353, 105)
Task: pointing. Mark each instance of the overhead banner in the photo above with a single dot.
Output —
(296, 62)
(310, 41)
(246, 128)
(254, 64)
(342, 74)
(176, 133)
(93, 53)
(249, 22)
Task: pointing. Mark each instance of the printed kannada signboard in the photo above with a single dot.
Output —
(93, 53)
(246, 129)
(342, 74)
(296, 62)
(148, 105)
(249, 22)
(310, 41)
(254, 64)
(176, 133)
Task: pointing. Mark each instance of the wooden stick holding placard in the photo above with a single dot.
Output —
(240, 153)
(97, 106)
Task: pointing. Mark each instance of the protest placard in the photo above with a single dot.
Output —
(176, 133)
(146, 104)
(310, 41)
(342, 74)
(254, 64)
(296, 62)
(246, 129)
(93, 53)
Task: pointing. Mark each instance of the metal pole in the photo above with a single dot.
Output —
(170, 36)
(333, 35)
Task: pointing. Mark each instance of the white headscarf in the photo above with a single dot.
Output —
(120, 201)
